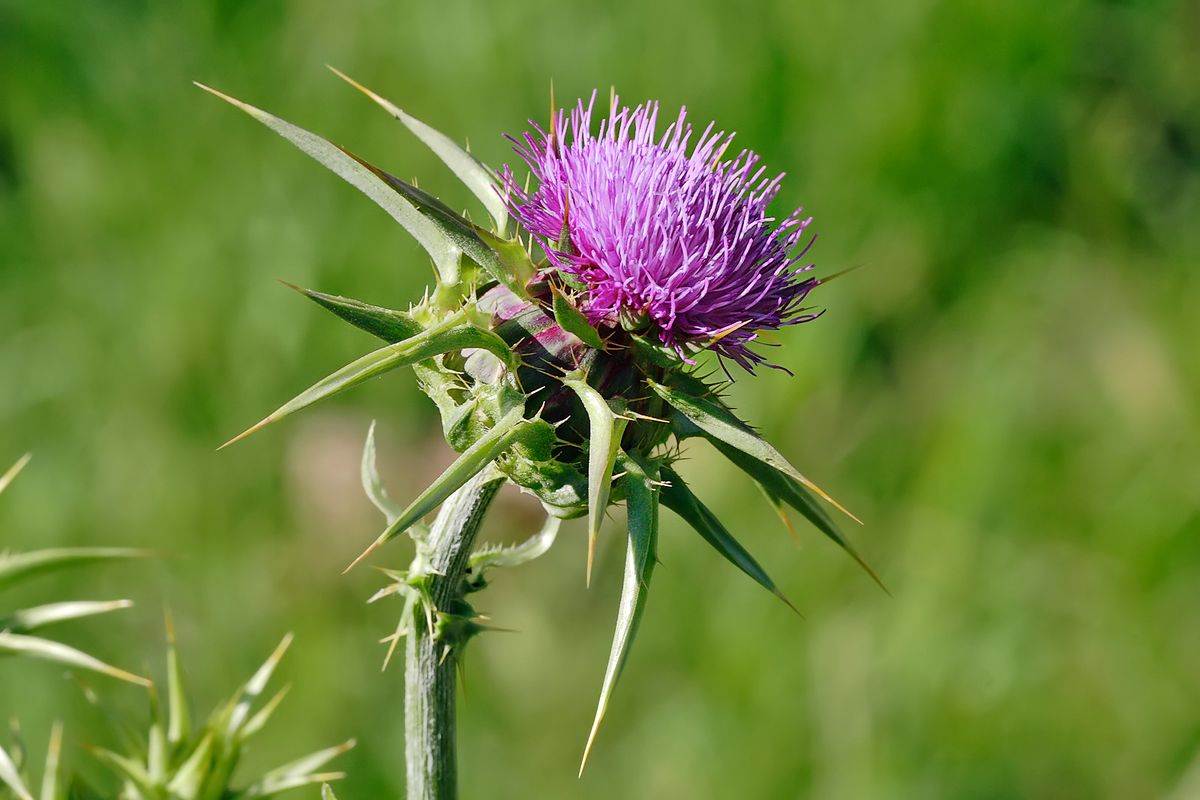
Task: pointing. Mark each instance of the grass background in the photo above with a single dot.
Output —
(1006, 391)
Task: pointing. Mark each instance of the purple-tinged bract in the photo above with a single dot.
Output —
(675, 242)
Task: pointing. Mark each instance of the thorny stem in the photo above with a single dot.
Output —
(429, 670)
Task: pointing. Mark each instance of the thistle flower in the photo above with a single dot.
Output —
(661, 238)
(562, 362)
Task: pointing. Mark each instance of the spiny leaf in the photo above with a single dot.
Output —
(47, 650)
(571, 320)
(443, 338)
(300, 768)
(385, 323)
(189, 778)
(50, 772)
(19, 566)
(791, 492)
(11, 777)
(443, 252)
(679, 498)
(127, 767)
(294, 782)
(474, 174)
(719, 424)
(506, 261)
(9, 476)
(30, 619)
(253, 689)
(371, 482)
(606, 430)
(517, 554)
(642, 501)
(485, 450)
(780, 507)
(264, 714)
(178, 711)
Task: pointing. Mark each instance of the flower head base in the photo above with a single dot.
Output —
(660, 238)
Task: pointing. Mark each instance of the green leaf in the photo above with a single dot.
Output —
(604, 439)
(572, 320)
(11, 777)
(679, 498)
(443, 338)
(790, 491)
(474, 174)
(20, 566)
(249, 693)
(780, 508)
(327, 793)
(505, 260)
(294, 782)
(297, 773)
(53, 755)
(642, 501)
(719, 424)
(371, 482)
(385, 323)
(14, 644)
(443, 252)
(128, 768)
(178, 710)
(515, 555)
(31, 619)
(484, 451)
(264, 714)
(13, 471)
(189, 778)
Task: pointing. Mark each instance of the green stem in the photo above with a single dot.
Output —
(429, 670)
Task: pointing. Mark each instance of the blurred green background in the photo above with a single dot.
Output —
(1006, 391)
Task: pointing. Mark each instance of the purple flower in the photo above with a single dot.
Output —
(679, 244)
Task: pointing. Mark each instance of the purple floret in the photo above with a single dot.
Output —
(680, 243)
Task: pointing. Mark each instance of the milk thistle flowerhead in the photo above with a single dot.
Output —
(560, 341)
(661, 232)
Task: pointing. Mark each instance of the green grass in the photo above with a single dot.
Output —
(1006, 391)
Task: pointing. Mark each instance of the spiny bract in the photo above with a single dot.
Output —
(562, 359)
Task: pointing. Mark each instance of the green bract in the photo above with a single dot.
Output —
(531, 393)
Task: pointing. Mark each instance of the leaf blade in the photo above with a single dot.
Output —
(434, 341)
(642, 500)
(791, 492)
(10, 777)
(384, 323)
(20, 566)
(57, 652)
(8, 477)
(717, 422)
(475, 458)
(676, 496)
(473, 173)
(442, 251)
(27, 620)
